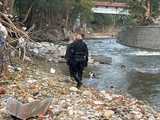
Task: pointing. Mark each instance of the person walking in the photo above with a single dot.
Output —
(77, 58)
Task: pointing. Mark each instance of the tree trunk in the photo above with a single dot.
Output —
(7, 6)
(149, 11)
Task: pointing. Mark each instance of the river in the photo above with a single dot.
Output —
(135, 71)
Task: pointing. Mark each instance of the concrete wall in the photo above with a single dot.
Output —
(141, 36)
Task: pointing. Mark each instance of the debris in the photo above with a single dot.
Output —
(3, 31)
(2, 91)
(102, 59)
(18, 69)
(10, 68)
(31, 81)
(90, 60)
(30, 99)
(73, 89)
(52, 70)
(28, 110)
(86, 93)
(151, 117)
(108, 114)
(28, 59)
(69, 102)
(98, 102)
(35, 50)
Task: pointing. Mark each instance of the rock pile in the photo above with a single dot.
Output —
(70, 103)
(56, 52)
(49, 51)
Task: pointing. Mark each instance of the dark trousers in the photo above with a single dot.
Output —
(76, 71)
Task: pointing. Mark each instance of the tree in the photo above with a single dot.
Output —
(7, 6)
(148, 11)
(53, 12)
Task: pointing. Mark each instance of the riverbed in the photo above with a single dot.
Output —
(134, 71)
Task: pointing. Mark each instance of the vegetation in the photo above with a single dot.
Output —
(53, 12)
(63, 13)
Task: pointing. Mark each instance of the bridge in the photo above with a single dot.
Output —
(111, 8)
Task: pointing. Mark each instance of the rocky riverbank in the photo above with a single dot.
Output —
(68, 102)
(55, 52)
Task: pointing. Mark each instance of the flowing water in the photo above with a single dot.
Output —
(133, 70)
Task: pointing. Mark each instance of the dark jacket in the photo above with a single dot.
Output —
(77, 52)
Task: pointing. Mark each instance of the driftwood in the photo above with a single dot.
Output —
(16, 40)
(11, 27)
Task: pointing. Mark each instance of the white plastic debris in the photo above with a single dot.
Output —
(52, 70)
(28, 110)
(3, 31)
(10, 68)
(73, 89)
(31, 81)
(108, 114)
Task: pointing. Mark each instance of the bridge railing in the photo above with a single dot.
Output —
(111, 4)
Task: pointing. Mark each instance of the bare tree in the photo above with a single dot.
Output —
(149, 11)
(6, 6)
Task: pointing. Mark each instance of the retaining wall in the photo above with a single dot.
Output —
(141, 36)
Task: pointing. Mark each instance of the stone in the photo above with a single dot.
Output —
(2, 91)
(108, 96)
(103, 92)
(52, 70)
(18, 69)
(3, 110)
(10, 68)
(30, 99)
(108, 114)
(28, 59)
(151, 117)
(31, 81)
(73, 89)
(137, 115)
(71, 112)
(46, 44)
(96, 63)
(87, 93)
(48, 51)
(35, 50)
(90, 60)
(102, 59)
(98, 102)
(62, 50)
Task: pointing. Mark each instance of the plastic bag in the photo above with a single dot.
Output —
(28, 110)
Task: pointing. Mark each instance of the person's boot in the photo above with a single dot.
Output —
(79, 84)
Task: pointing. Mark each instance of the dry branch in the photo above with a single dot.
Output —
(11, 27)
